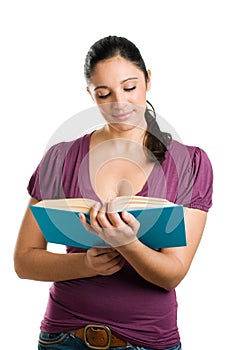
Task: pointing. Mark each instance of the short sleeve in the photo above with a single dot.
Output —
(46, 181)
(196, 186)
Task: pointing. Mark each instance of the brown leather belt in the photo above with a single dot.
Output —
(98, 337)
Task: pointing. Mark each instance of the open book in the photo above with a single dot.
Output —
(161, 222)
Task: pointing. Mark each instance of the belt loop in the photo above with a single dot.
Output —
(72, 333)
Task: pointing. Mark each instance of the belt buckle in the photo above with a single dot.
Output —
(108, 331)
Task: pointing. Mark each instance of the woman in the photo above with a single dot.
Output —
(123, 296)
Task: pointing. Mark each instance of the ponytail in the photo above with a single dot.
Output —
(155, 142)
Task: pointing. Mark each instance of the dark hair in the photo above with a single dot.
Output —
(155, 141)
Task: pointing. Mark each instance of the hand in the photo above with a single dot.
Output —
(115, 229)
(104, 261)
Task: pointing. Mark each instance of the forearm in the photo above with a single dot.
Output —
(41, 265)
(164, 270)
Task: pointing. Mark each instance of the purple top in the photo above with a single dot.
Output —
(133, 308)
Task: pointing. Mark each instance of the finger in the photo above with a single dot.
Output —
(117, 266)
(102, 217)
(111, 206)
(130, 220)
(93, 214)
(115, 219)
(104, 262)
(108, 259)
(83, 219)
(86, 225)
(112, 215)
(100, 251)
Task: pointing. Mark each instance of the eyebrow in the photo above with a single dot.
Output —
(122, 82)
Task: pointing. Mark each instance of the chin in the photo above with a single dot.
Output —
(125, 126)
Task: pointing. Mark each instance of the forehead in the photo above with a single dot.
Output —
(115, 69)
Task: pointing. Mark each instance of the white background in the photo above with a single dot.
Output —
(188, 47)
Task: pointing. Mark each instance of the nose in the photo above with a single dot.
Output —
(118, 97)
(118, 100)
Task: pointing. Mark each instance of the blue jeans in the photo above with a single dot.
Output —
(66, 341)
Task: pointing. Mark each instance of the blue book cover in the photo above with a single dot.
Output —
(160, 227)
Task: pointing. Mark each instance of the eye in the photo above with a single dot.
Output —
(130, 89)
(104, 96)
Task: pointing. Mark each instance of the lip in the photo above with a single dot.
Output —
(122, 116)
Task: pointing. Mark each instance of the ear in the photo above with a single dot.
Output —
(148, 83)
(89, 91)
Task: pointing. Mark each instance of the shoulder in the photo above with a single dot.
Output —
(59, 159)
(178, 147)
(195, 175)
(67, 148)
(191, 155)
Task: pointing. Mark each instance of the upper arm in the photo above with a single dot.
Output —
(30, 235)
(195, 220)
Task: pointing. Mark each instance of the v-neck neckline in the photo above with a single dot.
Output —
(97, 198)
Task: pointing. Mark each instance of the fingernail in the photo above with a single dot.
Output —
(96, 205)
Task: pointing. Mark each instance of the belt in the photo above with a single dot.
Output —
(98, 337)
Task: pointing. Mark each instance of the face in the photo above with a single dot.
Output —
(119, 89)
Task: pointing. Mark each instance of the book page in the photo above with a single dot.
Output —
(117, 205)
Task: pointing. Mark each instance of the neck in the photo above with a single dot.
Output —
(127, 132)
